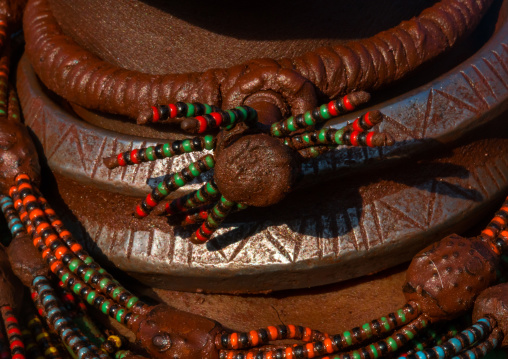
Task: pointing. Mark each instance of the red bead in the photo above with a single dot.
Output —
(203, 214)
(367, 120)
(202, 123)
(17, 343)
(218, 118)
(134, 156)
(368, 139)
(332, 109)
(354, 138)
(150, 201)
(347, 105)
(206, 231)
(18, 356)
(13, 331)
(121, 160)
(139, 212)
(200, 237)
(172, 110)
(155, 116)
(356, 125)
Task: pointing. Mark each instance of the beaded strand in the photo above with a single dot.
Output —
(52, 237)
(43, 339)
(31, 348)
(320, 114)
(478, 331)
(4, 76)
(199, 216)
(215, 217)
(4, 349)
(13, 332)
(226, 119)
(71, 281)
(205, 194)
(482, 349)
(171, 182)
(329, 346)
(13, 221)
(179, 109)
(333, 137)
(263, 336)
(365, 122)
(160, 151)
(57, 318)
(93, 274)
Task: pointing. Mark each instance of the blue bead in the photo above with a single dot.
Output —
(470, 337)
(480, 329)
(440, 352)
(421, 355)
(83, 352)
(456, 344)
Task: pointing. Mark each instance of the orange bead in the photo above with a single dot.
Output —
(60, 251)
(233, 340)
(76, 247)
(56, 223)
(23, 186)
(488, 232)
(36, 213)
(230, 355)
(292, 331)
(254, 338)
(51, 238)
(54, 266)
(310, 350)
(269, 355)
(250, 355)
(289, 353)
(272, 332)
(328, 345)
(306, 334)
(22, 176)
(65, 233)
(28, 199)
(41, 227)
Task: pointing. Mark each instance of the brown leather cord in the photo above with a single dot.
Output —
(293, 84)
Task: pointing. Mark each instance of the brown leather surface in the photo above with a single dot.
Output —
(83, 78)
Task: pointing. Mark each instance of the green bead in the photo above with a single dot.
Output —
(77, 288)
(119, 315)
(149, 154)
(199, 196)
(116, 293)
(291, 124)
(166, 149)
(309, 121)
(367, 329)
(241, 206)
(65, 278)
(187, 146)
(88, 260)
(401, 315)
(392, 344)
(74, 264)
(409, 334)
(356, 355)
(210, 162)
(105, 306)
(322, 136)
(211, 222)
(338, 137)
(275, 129)
(131, 302)
(374, 351)
(104, 283)
(226, 201)
(385, 323)
(88, 275)
(313, 152)
(244, 113)
(347, 336)
(195, 172)
(178, 180)
(323, 111)
(232, 117)
(210, 189)
(91, 297)
(420, 346)
(191, 109)
(218, 213)
(162, 189)
(208, 109)
(306, 138)
(2, 112)
(209, 142)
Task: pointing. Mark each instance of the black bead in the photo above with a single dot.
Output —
(362, 138)
(145, 207)
(299, 121)
(127, 317)
(299, 351)
(141, 155)
(163, 112)
(186, 175)
(337, 341)
(123, 297)
(279, 354)
(199, 108)
(110, 288)
(181, 109)
(158, 151)
(319, 347)
(197, 144)
(314, 137)
(339, 105)
(431, 353)
(175, 146)
(393, 318)
(375, 326)
(127, 157)
(283, 331)
(316, 114)
(54, 245)
(365, 353)
(202, 166)
(329, 135)
(263, 335)
(402, 338)
(357, 333)
(243, 339)
(383, 348)
(66, 258)
(226, 119)
(98, 300)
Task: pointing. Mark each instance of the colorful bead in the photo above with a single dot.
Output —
(43, 339)
(226, 119)
(172, 182)
(13, 332)
(180, 109)
(160, 151)
(207, 193)
(11, 216)
(325, 112)
(215, 217)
